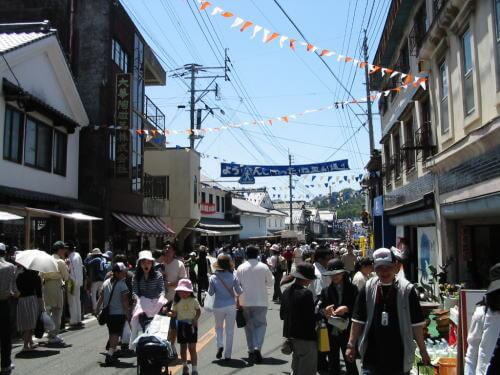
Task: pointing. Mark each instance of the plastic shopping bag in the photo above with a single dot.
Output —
(208, 304)
(48, 323)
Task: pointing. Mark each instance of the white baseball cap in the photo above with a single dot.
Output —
(383, 257)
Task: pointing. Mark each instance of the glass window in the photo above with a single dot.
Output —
(203, 197)
(468, 77)
(168, 188)
(60, 152)
(397, 154)
(223, 204)
(387, 161)
(210, 199)
(38, 145)
(195, 190)
(217, 203)
(443, 84)
(112, 147)
(409, 144)
(119, 56)
(13, 135)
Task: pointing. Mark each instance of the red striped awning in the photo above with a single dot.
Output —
(148, 225)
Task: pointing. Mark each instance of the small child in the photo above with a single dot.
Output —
(186, 309)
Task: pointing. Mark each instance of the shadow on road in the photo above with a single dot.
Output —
(232, 363)
(32, 354)
(273, 361)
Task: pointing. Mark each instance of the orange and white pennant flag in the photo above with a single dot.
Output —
(237, 22)
(283, 39)
(266, 35)
(217, 10)
(256, 30)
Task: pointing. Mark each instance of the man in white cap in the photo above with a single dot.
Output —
(7, 291)
(386, 322)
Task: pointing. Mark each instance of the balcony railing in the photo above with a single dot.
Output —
(155, 187)
(153, 114)
(437, 5)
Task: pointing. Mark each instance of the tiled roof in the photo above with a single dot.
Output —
(245, 206)
(10, 41)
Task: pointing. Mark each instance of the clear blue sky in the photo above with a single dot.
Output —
(276, 81)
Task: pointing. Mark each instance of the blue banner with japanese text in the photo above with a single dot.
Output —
(242, 170)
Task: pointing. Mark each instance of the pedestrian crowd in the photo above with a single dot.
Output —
(334, 304)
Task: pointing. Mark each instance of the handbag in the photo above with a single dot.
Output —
(240, 319)
(102, 318)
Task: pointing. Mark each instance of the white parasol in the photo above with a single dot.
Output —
(36, 260)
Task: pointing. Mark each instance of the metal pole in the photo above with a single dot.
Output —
(62, 228)
(192, 107)
(290, 188)
(368, 100)
(91, 240)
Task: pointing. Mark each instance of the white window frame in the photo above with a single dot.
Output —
(444, 97)
(468, 74)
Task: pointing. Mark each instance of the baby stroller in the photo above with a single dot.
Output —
(154, 351)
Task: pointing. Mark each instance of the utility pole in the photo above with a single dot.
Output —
(368, 100)
(191, 72)
(192, 105)
(290, 187)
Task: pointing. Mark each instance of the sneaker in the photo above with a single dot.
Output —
(56, 340)
(194, 372)
(219, 353)
(185, 370)
(258, 356)
(8, 369)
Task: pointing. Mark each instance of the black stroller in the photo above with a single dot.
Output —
(154, 351)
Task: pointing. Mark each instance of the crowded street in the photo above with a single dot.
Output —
(215, 187)
(86, 351)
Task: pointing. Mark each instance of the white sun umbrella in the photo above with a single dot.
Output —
(36, 260)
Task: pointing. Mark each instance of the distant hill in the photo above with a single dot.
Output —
(348, 203)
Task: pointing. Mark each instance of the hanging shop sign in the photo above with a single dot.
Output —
(250, 171)
(123, 108)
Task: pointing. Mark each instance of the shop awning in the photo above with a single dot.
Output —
(218, 225)
(21, 212)
(148, 225)
(205, 232)
(6, 216)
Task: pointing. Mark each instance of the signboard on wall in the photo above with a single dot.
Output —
(427, 251)
(123, 117)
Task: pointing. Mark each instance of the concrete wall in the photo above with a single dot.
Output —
(183, 167)
(253, 226)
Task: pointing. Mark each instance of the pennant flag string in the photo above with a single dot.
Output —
(268, 36)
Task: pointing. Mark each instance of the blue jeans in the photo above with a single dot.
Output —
(255, 329)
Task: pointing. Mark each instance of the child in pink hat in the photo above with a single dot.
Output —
(186, 309)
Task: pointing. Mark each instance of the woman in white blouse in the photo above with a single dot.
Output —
(483, 352)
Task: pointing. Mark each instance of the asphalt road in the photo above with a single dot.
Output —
(85, 355)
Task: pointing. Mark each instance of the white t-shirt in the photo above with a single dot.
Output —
(174, 271)
(359, 280)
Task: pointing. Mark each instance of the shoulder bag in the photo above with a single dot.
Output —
(104, 314)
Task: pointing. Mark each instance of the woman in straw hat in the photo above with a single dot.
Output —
(224, 285)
